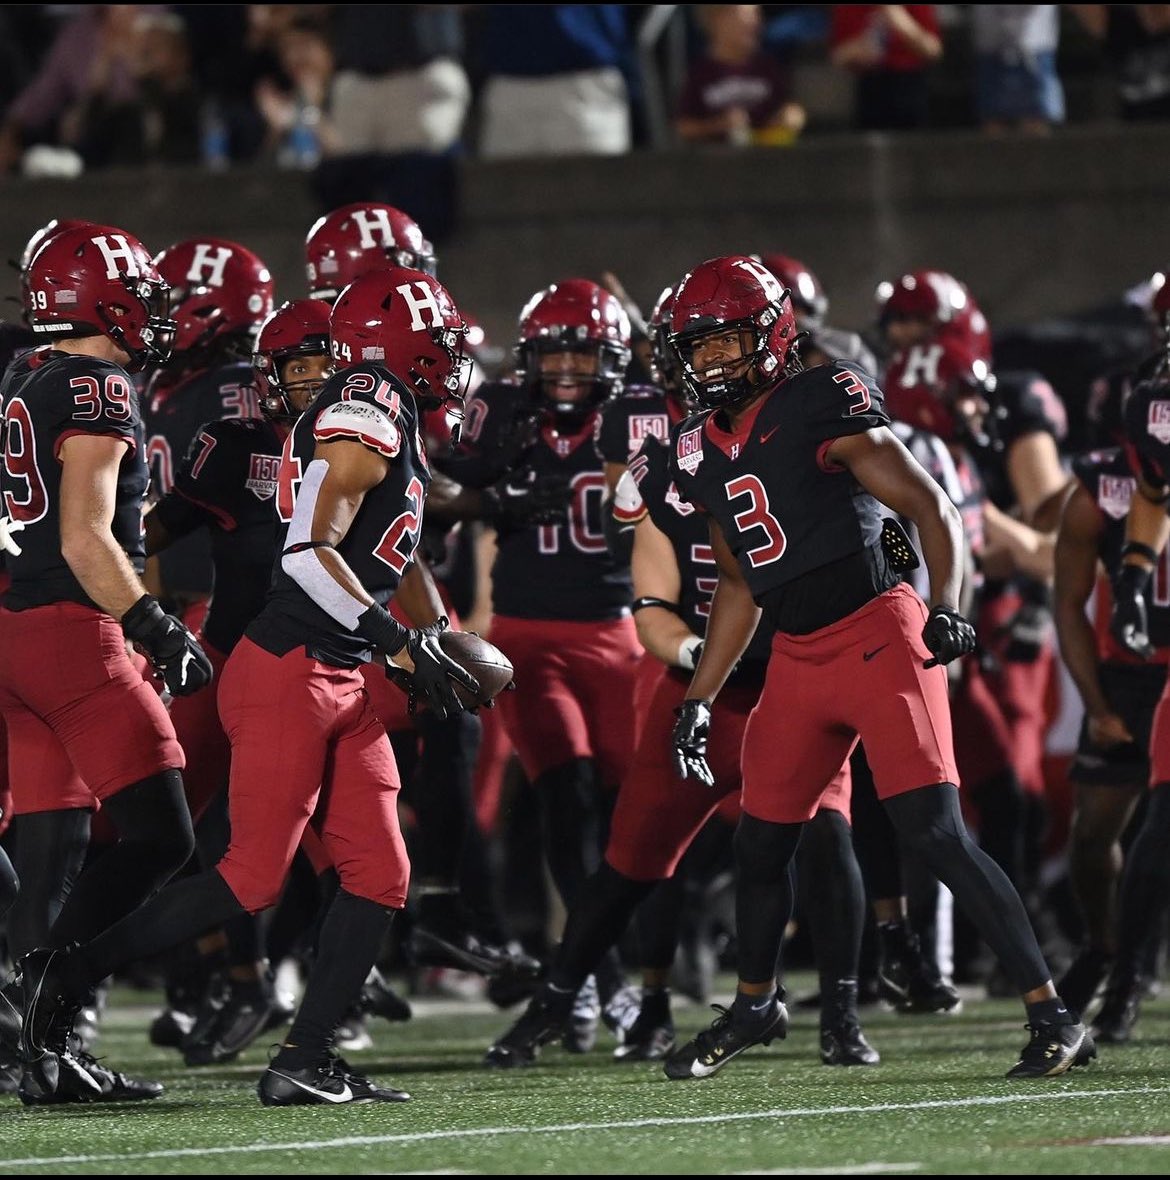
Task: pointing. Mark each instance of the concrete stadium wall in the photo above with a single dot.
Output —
(1036, 227)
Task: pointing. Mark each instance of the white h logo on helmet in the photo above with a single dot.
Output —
(417, 305)
(206, 267)
(369, 220)
(773, 288)
(122, 249)
(922, 365)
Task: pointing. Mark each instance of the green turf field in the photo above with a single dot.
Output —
(938, 1103)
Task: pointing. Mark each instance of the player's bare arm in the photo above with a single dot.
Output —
(89, 483)
(661, 631)
(733, 622)
(880, 462)
(1076, 575)
(418, 595)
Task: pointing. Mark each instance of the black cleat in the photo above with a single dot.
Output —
(909, 980)
(239, 1017)
(545, 1019)
(1114, 1023)
(714, 1047)
(170, 1027)
(330, 1083)
(651, 1036)
(843, 1043)
(458, 947)
(46, 1026)
(380, 999)
(1054, 1049)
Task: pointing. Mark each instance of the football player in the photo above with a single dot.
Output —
(1145, 881)
(305, 741)
(437, 755)
(1119, 692)
(561, 600)
(83, 725)
(790, 465)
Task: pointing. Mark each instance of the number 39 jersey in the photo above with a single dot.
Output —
(365, 404)
(785, 510)
(48, 397)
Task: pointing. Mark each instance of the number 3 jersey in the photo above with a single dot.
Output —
(364, 404)
(48, 397)
(806, 534)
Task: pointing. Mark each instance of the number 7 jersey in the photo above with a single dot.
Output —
(47, 397)
(364, 404)
(784, 508)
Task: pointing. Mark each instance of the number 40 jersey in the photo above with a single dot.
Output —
(48, 397)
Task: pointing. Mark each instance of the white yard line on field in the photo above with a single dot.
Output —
(563, 1128)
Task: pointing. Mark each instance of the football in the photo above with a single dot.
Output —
(482, 659)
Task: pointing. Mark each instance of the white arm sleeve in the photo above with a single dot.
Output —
(305, 567)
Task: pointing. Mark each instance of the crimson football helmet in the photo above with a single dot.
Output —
(940, 301)
(300, 328)
(97, 280)
(355, 239)
(220, 293)
(944, 388)
(574, 316)
(49, 230)
(405, 320)
(735, 293)
(809, 300)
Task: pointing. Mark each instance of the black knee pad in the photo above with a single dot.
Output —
(153, 814)
(928, 820)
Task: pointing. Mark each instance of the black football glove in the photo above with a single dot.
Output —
(523, 499)
(947, 635)
(435, 673)
(1129, 623)
(690, 741)
(172, 649)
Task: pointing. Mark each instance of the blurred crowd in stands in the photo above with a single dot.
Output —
(123, 85)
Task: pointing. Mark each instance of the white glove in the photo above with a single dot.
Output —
(7, 528)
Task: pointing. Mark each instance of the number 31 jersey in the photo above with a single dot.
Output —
(365, 404)
(785, 510)
(48, 397)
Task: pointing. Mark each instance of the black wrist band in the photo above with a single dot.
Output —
(1137, 549)
(1136, 576)
(382, 629)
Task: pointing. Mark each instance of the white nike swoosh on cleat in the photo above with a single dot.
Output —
(699, 1070)
(1067, 1061)
(345, 1096)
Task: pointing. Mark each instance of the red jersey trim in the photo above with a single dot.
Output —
(130, 442)
(630, 516)
(226, 520)
(824, 462)
(727, 441)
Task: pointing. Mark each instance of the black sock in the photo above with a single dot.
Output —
(351, 937)
(747, 1009)
(1050, 1012)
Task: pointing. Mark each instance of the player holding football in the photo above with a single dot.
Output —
(305, 742)
(790, 466)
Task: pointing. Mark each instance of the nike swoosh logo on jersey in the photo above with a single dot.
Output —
(346, 1094)
(867, 656)
(764, 437)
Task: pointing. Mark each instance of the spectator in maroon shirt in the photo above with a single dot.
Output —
(736, 92)
(889, 48)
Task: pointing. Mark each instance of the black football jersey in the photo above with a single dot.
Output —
(1107, 477)
(47, 396)
(367, 404)
(784, 509)
(227, 485)
(689, 534)
(1027, 405)
(1147, 431)
(641, 412)
(551, 571)
(174, 410)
